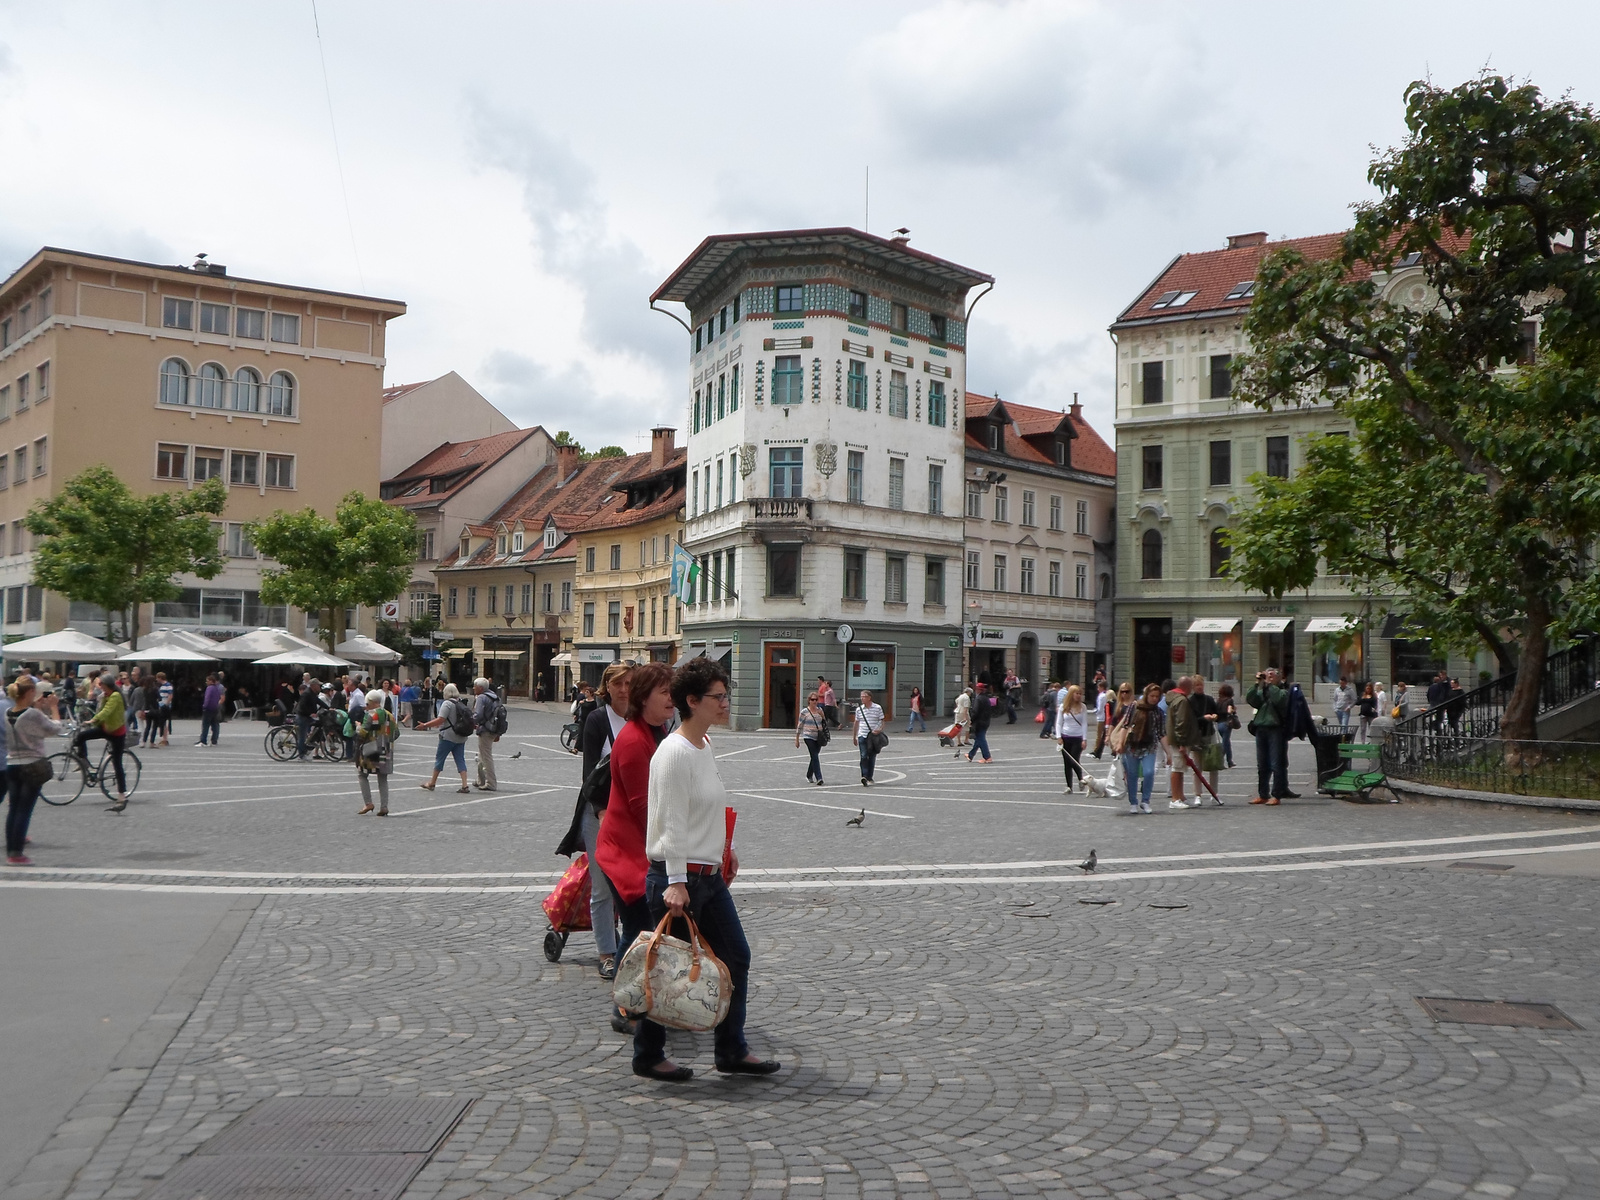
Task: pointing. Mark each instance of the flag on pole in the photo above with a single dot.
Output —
(685, 571)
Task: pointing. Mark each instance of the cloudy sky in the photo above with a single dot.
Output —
(523, 175)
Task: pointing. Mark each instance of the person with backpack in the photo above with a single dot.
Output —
(489, 719)
(374, 731)
(455, 726)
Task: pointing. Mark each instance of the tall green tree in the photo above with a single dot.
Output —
(362, 556)
(100, 543)
(1472, 485)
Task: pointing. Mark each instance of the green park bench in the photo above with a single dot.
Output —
(1351, 782)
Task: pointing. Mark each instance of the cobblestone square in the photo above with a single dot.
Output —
(953, 1021)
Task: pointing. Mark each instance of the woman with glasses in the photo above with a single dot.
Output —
(685, 841)
(812, 727)
(1147, 725)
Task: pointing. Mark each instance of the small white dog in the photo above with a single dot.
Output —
(1108, 787)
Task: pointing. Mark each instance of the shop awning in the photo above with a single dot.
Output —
(458, 651)
(1331, 624)
(1271, 624)
(1214, 625)
(505, 655)
(564, 659)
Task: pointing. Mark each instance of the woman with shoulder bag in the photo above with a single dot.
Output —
(813, 728)
(451, 740)
(600, 733)
(1072, 730)
(1146, 724)
(31, 719)
(1227, 721)
(685, 841)
(374, 733)
(619, 855)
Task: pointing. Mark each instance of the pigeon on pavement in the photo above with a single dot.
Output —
(858, 821)
(1088, 865)
(518, 754)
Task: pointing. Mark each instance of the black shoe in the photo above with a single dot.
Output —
(676, 1075)
(766, 1067)
(624, 1024)
(819, 783)
(1290, 796)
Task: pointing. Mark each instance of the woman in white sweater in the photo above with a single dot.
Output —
(684, 836)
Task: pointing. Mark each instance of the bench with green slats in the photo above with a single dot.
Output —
(1351, 782)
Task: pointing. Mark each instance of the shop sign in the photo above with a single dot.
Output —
(597, 656)
(991, 635)
(777, 634)
(955, 643)
(1069, 639)
(870, 676)
(1178, 653)
(735, 637)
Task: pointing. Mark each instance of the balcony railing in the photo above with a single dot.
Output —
(785, 509)
(1477, 714)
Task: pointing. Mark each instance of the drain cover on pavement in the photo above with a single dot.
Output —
(1169, 904)
(1496, 1012)
(290, 1177)
(1482, 866)
(301, 1125)
(1095, 900)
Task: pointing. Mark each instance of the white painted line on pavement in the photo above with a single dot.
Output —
(13, 878)
(497, 794)
(746, 750)
(871, 812)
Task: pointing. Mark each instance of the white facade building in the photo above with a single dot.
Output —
(826, 384)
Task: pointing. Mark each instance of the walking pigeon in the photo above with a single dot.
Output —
(518, 754)
(1088, 865)
(858, 821)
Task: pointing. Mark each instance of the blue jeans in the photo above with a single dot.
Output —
(601, 918)
(448, 749)
(869, 756)
(302, 734)
(814, 769)
(916, 722)
(210, 721)
(1134, 764)
(713, 911)
(23, 795)
(980, 741)
(1272, 763)
(1225, 731)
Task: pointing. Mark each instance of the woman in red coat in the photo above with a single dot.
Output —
(620, 847)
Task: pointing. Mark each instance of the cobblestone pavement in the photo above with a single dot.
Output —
(953, 1021)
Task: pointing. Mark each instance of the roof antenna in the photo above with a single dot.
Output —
(866, 215)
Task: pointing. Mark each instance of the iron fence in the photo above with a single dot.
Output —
(1478, 713)
(1564, 770)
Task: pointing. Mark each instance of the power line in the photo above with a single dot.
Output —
(338, 159)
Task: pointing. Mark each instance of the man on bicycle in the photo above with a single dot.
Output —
(110, 722)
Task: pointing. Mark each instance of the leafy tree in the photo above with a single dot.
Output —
(397, 636)
(1472, 486)
(104, 545)
(362, 556)
(606, 452)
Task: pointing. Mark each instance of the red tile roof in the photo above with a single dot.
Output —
(1212, 274)
(1090, 453)
(394, 393)
(593, 498)
(449, 460)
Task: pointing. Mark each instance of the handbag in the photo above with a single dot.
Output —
(823, 736)
(679, 984)
(1396, 713)
(38, 772)
(1038, 717)
(877, 740)
(1121, 732)
(1211, 756)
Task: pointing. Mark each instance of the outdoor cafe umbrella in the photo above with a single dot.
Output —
(361, 648)
(165, 652)
(66, 645)
(261, 642)
(310, 656)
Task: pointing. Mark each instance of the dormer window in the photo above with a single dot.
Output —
(551, 536)
(994, 437)
(500, 545)
(516, 542)
(1061, 453)
(466, 547)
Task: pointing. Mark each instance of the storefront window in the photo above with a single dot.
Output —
(1217, 656)
(870, 669)
(1338, 656)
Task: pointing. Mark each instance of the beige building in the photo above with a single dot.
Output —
(1040, 501)
(172, 375)
(417, 417)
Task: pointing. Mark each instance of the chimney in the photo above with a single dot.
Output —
(566, 463)
(1238, 241)
(661, 446)
(1077, 409)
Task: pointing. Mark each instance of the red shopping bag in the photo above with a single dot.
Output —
(727, 845)
(1038, 717)
(567, 905)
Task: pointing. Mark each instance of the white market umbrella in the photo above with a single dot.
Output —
(165, 652)
(361, 648)
(260, 642)
(62, 646)
(308, 657)
(182, 637)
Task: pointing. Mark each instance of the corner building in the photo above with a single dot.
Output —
(827, 375)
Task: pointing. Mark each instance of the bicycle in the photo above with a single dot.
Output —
(282, 746)
(569, 736)
(71, 774)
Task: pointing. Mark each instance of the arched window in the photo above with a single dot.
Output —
(247, 390)
(213, 382)
(1220, 553)
(280, 395)
(1151, 551)
(174, 381)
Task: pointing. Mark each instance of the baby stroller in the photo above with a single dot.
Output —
(567, 906)
(948, 735)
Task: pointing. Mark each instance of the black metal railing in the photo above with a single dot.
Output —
(1477, 714)
(1563, 770)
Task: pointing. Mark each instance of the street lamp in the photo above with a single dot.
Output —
(974, 607)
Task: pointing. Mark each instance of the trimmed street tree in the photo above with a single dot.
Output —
(101, 544)
(1472, 485)
(362, 556)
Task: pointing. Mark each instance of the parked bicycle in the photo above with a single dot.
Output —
(70, 774)
(325, 743)
(569, 736)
